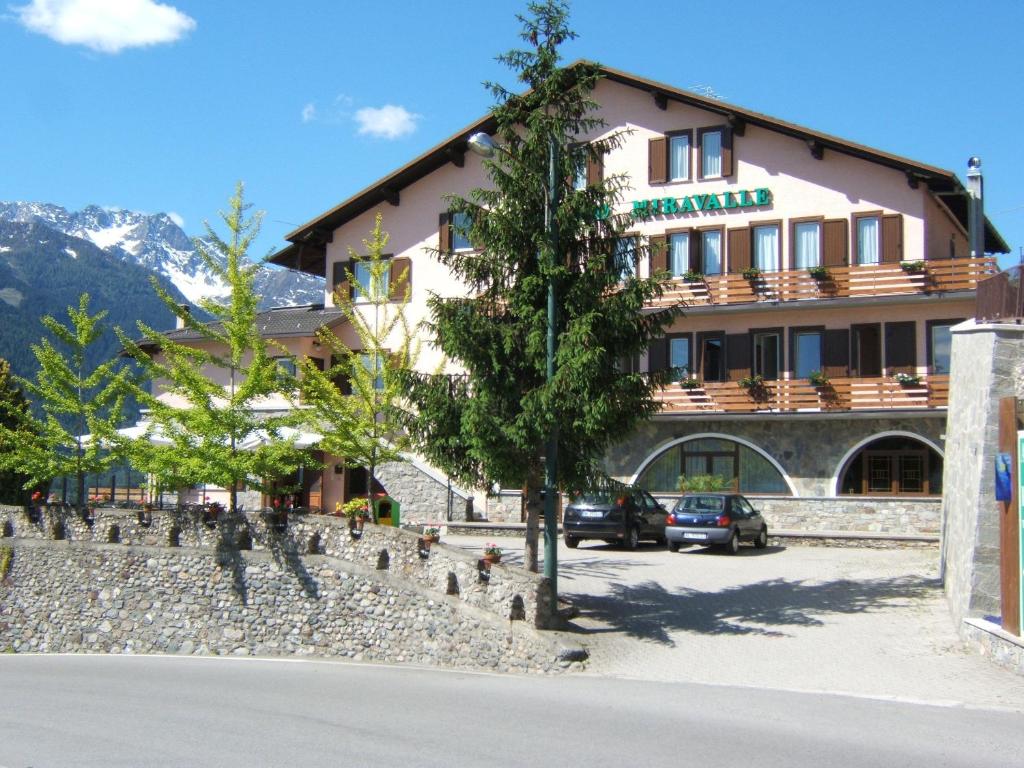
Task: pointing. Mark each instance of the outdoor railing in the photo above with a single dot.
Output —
(1000, 297)
(929, 276)
(791, 396)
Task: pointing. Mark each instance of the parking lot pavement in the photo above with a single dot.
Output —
(860, 621)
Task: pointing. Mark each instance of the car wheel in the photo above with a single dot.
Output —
(632, 538)
(732, 546)
(673, 546)
(572, 542)
(762, 539)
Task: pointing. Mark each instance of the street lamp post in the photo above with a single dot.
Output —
(483, 145)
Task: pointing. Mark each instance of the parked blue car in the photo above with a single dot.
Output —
(715, 519)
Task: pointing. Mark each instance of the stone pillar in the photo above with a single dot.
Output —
(987, 364)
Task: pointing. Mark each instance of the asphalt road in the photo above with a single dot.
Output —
(167, 711)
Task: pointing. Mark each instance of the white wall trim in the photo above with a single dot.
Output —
(664, 446)
(834, 485)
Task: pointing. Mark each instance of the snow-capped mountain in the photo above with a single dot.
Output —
(156, 242)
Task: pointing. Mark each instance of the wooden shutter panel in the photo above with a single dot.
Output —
(836, 243)
(659, 254)
(400, 288)
(343, 381)
(892, 238)
(739, 249)
(657, 160)
(727, 151)
(901, 347)
(657, 355)
(696, 264)
(835, 353)
(444, 230)
(737, 355)
(340, 283)
(595, 167)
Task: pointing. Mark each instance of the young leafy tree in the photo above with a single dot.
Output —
(493, 423)
(13, 424)
(356, 400)
(212, 427)
(81, 407)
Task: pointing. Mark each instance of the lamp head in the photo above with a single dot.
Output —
(974, 163)
(482, 144)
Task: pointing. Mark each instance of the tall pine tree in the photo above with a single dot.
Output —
(492, 424)
(13, 406)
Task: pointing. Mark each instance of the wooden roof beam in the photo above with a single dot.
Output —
(457, 154)
(816, 148)
(391, 196)
(738, 124)
(660, 100)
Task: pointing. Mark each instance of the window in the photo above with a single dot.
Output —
(286, 365)
(711, 165)
(461, 224)
(807, 349)
(712, 356)
(869, 239)
(806, 244)
(369, 286)
(893, 466)
(940, 344)
(679, 157)
(624, 258)
(679, 355)
(766, 247)
(767, 354)
(745, 468)
(579, 176)
(679, 254)
(711, 251)
(368, 360)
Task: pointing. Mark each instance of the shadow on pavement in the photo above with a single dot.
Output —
(649, 612)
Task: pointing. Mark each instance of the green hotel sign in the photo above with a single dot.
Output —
(712, 201)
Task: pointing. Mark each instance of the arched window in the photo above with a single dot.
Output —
(742, 468)
(893, 466)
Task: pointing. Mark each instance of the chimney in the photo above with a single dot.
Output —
(975, 209)
(179, 321)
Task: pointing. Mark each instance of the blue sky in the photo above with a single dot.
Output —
(308, 102)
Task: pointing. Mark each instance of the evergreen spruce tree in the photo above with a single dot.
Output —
(81, 407)
(212, 429)
(492, 424)
(356, 400)
(13, 409)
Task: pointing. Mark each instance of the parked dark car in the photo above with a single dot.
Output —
(623, 516)
(723, 519)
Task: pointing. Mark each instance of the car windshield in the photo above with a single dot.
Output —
(701, 505)
(597, 497)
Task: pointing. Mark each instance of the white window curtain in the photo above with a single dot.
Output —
(867, 240)
(461, 223)
(808, 244)
(712, 244)
(679, 158)
(766, 248)
(711, 154)
(679, 254)
(679, 355)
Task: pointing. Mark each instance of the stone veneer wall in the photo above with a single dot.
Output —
(423, 498)
(986, 364)
(376, 597)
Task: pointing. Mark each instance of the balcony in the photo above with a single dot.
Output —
(936, 276)
(798, 396)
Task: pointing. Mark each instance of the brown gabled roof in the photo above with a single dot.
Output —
(307, 252)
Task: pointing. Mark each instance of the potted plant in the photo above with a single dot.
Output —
(146, 515)
(358, 512)
(693, 276)
(492, 554)
(820, 274)
(913, 267)
(752, 382)
(907, 379)
(818, 379)
(752, 273)
(431, 535)
(689, 382)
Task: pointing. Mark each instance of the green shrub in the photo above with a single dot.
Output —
(697, 483)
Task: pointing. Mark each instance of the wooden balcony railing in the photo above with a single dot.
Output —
(847, 394)
(793, 285)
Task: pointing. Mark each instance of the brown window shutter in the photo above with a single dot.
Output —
(835, 353)
(657, 355)
(892, 238)
(739, 249)
(339, 279)
(343, 381)
(595, 167)
(659, 254)
(657, 160)
(727, 169)
(737, 355)
(444, 230)
(901, 347)
(400, 288)
(836, 243)
(696, 259)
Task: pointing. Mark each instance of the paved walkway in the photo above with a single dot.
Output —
(859, 621)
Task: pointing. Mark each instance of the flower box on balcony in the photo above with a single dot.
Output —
(693, 277)
(689, 383)
(752, 273)
(913, 267)
(818, 379)
(907, 379)
(821, 274)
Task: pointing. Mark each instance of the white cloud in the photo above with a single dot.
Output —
(388, 122)
(177, 218)
(107, 26)
(309, 113)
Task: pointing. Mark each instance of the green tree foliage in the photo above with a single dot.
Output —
(67, 390)
(209, 425)
(491, 425)
(356, 401)
(13, 407)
